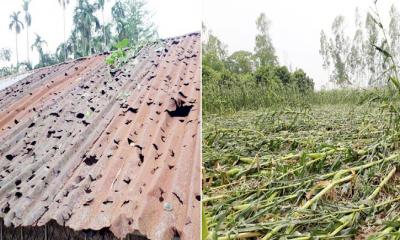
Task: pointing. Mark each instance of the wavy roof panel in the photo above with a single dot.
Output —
(93, 148)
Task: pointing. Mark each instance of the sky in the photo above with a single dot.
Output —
(171, 17)
(295, 30)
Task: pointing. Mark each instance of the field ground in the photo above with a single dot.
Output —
(322, 172)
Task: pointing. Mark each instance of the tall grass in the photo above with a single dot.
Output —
(223, 99)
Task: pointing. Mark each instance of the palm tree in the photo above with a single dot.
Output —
(74, 42)
(119, 16)
(38, 44)
(130, 21)
(64, 4)
(84, 21)
(16, 24)
(60, 51)
(100, 6)
(28, 22)
(107, 34)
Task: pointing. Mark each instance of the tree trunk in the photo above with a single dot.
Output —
(65, 46)
(16, 46)
(27, 43)
(89, 45)
(104, 31)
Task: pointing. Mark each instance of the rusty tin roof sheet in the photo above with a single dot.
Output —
(96, 149)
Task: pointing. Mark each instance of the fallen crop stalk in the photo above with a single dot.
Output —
(240, 235)
(308, 204)
(347, 219)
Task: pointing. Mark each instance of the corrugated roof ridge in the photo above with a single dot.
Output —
(196, 33)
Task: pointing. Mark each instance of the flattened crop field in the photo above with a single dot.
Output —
(322, 172)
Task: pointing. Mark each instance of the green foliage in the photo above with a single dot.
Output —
(238, 81)
(45, 59)
(211, 59)
(122, 44)
(25, 65)
(322, 163)
(117, 57)
(89, 36)
(336, 52)
(204, 226)
(354, 60)
(17, 25)
(28, 22)
(5, 54)
(240, 62)
(214, 46)
(224, 91)
(15, 22)
(131, 21)
(85, 24)
(266, 75)
(264, 51)
(283, 74)
(303, 82)
(390, 67)
(329, 157)
(6, 71)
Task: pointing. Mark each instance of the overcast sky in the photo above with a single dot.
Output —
(295, 29)
(172, 18)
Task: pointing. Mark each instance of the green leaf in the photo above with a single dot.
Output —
(383, 51)
(395, 81)
(394, 224)
(122, 44)
(204, 227)
(110, 60)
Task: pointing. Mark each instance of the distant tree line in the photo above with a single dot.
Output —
(260, 67)
(89, 35)
(352, 59)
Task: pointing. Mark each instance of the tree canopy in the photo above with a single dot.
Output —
(90, 33)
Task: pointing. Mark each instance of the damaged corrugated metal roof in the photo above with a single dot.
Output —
(10, 80)
(93, 149)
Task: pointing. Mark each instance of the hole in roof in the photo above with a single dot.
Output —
(177, 235)
(91, 160)
(88, 202)
(127, 180)
(88, 190)
(6, 209)
(180, 109)
(141, 158)
(18, 182)
(49, 133)
(107, 202)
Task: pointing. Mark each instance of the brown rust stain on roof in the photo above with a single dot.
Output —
(93, 150)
